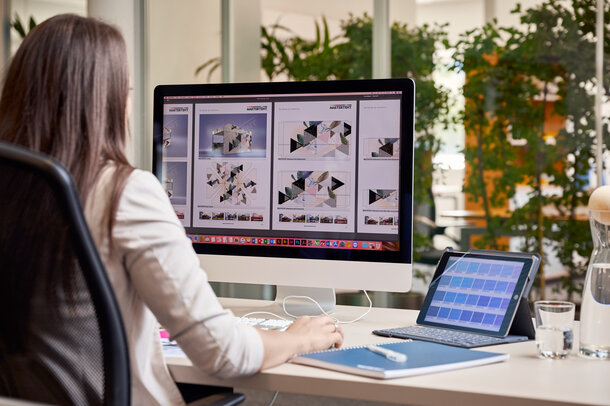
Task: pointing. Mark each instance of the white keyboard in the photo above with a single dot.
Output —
(266, 323)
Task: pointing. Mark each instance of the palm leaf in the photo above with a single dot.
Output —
(18, 26)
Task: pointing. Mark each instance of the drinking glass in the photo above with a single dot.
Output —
(554, 321)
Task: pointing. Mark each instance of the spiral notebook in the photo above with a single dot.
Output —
(422, 358)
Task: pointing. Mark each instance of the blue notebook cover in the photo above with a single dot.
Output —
(422, 358)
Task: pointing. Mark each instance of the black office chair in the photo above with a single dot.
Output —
(62, 339)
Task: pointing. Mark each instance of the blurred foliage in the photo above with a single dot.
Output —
(516, 81)
(18, 25)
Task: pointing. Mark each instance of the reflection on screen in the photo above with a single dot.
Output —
(474, 293)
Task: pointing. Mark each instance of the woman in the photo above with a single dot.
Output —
(66, 95)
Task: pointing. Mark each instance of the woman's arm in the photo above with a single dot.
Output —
(306, 334)
(165, 274)
(162, 277)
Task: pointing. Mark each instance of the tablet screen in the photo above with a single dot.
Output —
(476, 292)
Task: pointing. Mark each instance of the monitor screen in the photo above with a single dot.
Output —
(298, 170)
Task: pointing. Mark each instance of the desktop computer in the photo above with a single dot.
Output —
(305, 185)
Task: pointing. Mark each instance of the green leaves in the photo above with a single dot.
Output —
(211, 64)
(296, 57)
(17, 25)
(529, 108)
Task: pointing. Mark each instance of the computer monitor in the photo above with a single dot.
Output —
(299, 184)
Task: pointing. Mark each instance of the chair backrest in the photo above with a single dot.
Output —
(62, 339)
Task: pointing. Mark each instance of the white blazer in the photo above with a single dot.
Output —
(157, 278)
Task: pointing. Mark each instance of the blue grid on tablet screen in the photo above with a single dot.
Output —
(474, 293)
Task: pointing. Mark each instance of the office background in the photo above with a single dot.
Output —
(168, 41)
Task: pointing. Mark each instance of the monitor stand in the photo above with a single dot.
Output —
(301, 306)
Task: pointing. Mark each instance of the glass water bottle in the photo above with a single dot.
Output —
(595, 309)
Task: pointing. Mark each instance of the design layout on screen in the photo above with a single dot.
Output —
(322, 168)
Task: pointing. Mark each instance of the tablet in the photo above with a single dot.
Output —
(478, 291)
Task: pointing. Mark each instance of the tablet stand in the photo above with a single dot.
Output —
(522, 323)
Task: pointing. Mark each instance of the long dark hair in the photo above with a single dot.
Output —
(65, 94)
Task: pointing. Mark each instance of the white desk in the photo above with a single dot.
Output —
(523, 379)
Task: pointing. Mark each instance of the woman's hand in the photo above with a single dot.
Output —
(306, 334)
(319, 333)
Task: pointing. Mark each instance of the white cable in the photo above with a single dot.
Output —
(273, 399)
(362, 315)
(324, 312)
(302, 297)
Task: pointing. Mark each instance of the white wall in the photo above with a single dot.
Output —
(504, 7)
(462, 15)
(182, 36)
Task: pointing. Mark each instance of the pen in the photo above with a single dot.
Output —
(389, 354)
